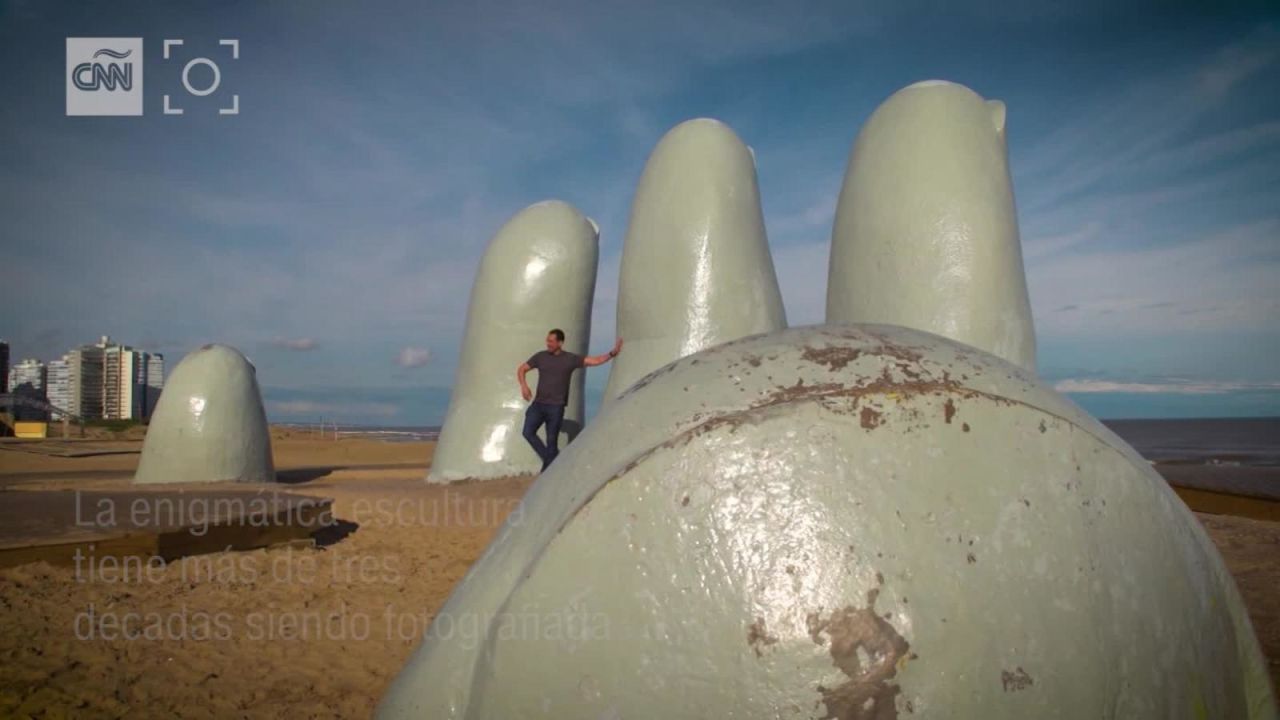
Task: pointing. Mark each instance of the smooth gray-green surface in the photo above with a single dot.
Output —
(926, 234)
(538, 273)
(209, 424)
(696, 269)
(848, 522)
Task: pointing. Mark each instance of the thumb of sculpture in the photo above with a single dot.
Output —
(209, 424)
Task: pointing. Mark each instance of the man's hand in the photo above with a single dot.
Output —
(594, 360)
(526, 393)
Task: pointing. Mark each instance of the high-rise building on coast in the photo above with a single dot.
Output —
(119, 382)
(28, 376)
(87, 380)
(27, 379)
(132, 380)
(58, 389)
(154, 383)
(105, 380)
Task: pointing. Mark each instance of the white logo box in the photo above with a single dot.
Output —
(104, 76)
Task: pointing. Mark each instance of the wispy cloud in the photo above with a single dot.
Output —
(1148, 212)
(304, 344)
(1037, 248)
(1140, 132)
(1238, 61)
(1228, 280)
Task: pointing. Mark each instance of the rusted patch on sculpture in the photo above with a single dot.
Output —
(892, 348)
(758, 636)
(733, 419)
(913, 378)
(1016, 680)
(949, 410)
(883, 384)
(871, 418)
(835, 357)
(855, 634)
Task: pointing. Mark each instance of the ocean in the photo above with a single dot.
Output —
(390, 433)
(1222, 441)
(1241, 442)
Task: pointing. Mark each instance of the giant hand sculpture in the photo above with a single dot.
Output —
(854, 521)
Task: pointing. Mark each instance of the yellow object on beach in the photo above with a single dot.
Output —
(31, 430)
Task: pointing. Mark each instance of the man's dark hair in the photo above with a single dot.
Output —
(558, 333)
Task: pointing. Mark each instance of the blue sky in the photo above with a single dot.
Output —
(331, 230)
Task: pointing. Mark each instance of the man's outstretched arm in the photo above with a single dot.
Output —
(593, 360)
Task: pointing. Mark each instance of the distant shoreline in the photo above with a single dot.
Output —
(1199, 442)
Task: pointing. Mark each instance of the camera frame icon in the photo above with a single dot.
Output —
(234, 109)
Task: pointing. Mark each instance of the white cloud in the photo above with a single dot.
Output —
(302, 344)
(412, 357)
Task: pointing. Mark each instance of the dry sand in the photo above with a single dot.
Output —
(302, 632)
(296, 453)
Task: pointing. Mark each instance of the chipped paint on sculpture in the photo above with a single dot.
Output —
(538, 272)
(926, 234)
(209, 424)
(696, 269)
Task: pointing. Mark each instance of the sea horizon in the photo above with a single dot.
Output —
(1220, 441)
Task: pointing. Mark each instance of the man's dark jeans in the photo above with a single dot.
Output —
(537, 414)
